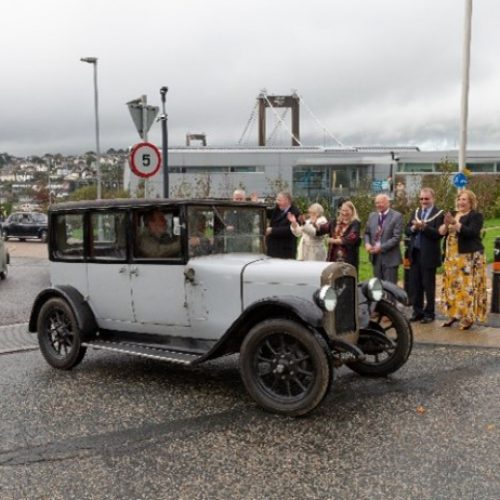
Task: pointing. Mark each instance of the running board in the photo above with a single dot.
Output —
(159, 353)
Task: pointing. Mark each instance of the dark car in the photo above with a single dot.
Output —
(25, 225)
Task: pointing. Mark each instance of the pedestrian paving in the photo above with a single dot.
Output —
(16, 338)
(477, 336)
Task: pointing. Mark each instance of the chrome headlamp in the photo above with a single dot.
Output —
(326, 298)
(375, 290)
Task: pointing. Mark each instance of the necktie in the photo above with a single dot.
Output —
(418, 239)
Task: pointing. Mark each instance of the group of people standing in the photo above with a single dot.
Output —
(463, 290)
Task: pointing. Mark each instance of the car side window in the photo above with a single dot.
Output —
(108, 236)
(200, 231)
(68, 237)
(154, 235)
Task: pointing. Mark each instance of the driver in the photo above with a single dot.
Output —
(154, 241)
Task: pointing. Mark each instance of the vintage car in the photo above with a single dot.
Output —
(186, 281)
(4, 258)
(24, 225)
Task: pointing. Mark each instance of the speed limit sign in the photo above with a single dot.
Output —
(145, 159)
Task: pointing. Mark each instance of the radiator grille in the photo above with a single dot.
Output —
(345, 312)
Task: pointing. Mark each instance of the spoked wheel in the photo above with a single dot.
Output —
(386, 342)
(284, 367)
(58, 335)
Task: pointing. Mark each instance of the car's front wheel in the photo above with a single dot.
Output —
(284, 367)
(59, 336)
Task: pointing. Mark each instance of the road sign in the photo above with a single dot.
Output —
(145, 159)
(142, 115)
(460, 180)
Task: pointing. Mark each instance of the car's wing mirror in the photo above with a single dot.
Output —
(177, 226)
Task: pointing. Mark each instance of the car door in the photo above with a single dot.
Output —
(157, 273)
(14, 225)
(28, 227)
(108, 271)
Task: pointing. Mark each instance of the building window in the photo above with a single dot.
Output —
(416, 167)
(481, 167)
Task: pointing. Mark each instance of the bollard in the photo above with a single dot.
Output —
(406, 266)
(495, 292)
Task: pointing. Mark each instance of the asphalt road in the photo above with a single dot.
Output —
(124, 427)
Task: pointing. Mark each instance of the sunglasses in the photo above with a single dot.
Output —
(424, 199)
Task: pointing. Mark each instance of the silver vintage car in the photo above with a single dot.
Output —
(186, 281)
(4, 257)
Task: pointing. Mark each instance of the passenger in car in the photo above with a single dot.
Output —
(155, 241)
(199, 242)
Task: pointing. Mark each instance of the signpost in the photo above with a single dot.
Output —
(145, 159)
(142, 115)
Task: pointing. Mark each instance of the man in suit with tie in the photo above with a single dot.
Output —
(425, 255)
(382, 236)
(280, 240)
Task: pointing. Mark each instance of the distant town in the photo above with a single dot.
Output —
(36, 181)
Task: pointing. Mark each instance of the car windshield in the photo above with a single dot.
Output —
(39, 218)
(222, 229)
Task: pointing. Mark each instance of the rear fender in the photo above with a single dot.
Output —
(83, 314)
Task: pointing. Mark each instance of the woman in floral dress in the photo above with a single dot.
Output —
(463, 293)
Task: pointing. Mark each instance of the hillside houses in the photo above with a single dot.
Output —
(24, 179)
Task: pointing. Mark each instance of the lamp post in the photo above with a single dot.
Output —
(464, 109)
(93, 60)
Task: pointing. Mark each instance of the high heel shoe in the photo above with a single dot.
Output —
(465, 324)
(449, 323)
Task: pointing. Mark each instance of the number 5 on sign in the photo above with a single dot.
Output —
(145, 159)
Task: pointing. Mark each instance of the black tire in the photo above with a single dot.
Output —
(22, 239)
(382, 360)
(5, 236)
(3, 274)
(284, 367)
(43, 236)
(59, 336)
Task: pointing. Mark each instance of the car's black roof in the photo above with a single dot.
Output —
(153, 202)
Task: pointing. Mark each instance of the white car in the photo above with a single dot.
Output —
(4, 257)
(186, 281)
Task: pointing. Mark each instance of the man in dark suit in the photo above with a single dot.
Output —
(425, 255)
(382, 236)
(280, 240)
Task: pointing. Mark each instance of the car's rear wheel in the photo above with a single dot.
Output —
(386, 342)
(3, 274)
(5, 236)
(43, 236)
(284, 367)
(59, 336)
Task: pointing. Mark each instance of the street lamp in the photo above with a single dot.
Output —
(93, 60)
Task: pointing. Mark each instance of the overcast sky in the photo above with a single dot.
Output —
(374, 72)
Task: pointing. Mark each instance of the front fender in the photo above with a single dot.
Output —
(398, 293)
(303, 310)
(83, 314)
